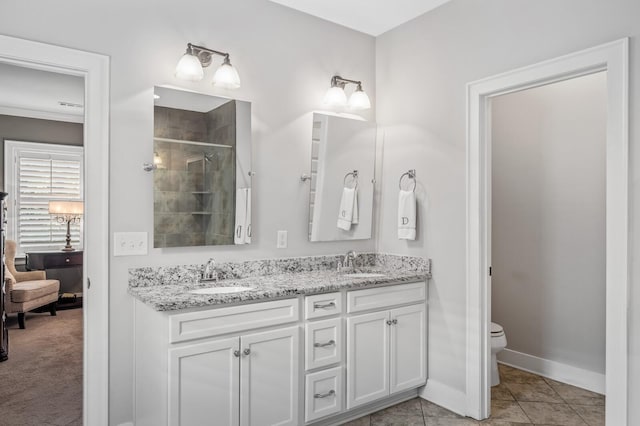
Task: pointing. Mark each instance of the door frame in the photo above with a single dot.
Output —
(94, 68)
(613, 58)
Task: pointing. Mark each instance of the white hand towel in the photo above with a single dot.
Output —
(345, 213)
(355, 215)
(247, 222)
(406, 215)
(241, 216)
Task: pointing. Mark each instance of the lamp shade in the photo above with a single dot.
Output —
(226, 76)
(335, 96)
(71, 208)
(359, 100)
(189, 68)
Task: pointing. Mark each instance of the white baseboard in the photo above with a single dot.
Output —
(595, 382)
(445, 396)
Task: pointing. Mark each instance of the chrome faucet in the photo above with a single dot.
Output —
(350, 260)
(209, 273)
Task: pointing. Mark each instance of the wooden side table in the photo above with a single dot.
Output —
(64, 266)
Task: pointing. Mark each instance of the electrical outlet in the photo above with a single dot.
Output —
(130, 243)
(282, 239)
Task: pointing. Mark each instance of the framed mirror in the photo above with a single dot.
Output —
(202, 176)
(343, 152)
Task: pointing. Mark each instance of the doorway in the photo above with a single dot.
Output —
(94, 70)
(612, 58)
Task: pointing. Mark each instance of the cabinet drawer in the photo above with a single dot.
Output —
(322, 305)
(213, 322)
(323, 393)
(323, 343)
(40, 261)
(382, 297)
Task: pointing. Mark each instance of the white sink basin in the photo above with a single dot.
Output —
(365, 275)
(220, 290)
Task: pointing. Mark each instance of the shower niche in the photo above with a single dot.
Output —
(202, 176)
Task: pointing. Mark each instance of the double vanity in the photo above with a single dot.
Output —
(278, 342)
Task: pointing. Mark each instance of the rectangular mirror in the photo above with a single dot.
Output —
(202, 179)
(343, 152)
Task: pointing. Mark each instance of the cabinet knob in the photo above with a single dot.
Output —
(236, 353)
(389, 322)
(247, 351)
(322, 345)
(67, 260)
(324, 395)
(394, 321)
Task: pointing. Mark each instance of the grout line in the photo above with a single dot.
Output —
(424, 419)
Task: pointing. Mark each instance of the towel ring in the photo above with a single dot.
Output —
(354, 175)
(411, 174)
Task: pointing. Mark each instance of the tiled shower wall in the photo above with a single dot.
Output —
(194, 185)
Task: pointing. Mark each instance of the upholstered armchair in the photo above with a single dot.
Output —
(26, 291)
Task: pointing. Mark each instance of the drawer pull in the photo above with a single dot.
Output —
(236, 353)
(322, 345)
(67, 260)
(394, 321)
(389, 322)
(247, 351)
(325, 395)
(324, 306)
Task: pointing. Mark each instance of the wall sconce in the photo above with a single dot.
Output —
(69, 212)
(336, 96)
(190, 67)
(157, 162)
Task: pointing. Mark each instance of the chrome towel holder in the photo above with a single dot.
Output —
(410, 174)
(354, 175)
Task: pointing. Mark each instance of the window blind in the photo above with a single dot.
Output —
(41, 180)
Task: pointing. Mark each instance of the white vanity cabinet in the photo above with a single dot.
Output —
(386, 349)
(246, 378)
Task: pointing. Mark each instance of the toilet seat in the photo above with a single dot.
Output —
(496, 330)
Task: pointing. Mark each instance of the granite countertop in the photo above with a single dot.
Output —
(169, 288)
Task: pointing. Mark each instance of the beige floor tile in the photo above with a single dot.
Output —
(408, 413)
(534, 392)
(490, 422)
(429, 409)
(551, 414)
(507, 411)
(575, 395)
(362, 421)
(513, 375)
(447, 421)
(592, 414)
(501, 393)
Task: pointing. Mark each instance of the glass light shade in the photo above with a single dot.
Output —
(359, 100)
(226, 77)
(189, 68)
(62, 208)
(335, 96)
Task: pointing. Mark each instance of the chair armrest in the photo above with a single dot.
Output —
(9, 281)
(30, 276)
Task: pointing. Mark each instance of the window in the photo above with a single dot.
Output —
(36, 173)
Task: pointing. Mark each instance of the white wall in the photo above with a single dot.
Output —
(421, 73)
(285, 60)
(548, 220)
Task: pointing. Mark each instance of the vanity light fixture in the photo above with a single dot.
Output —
(190, 67)
(336, 96)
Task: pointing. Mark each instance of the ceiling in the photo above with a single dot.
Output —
(28, 92)
(372, 17)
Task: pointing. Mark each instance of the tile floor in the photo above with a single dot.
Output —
(521, 399)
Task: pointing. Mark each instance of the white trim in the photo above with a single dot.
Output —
(445, 396)
(95, 70)
(39, 114)
(565, 373)
(612, 57)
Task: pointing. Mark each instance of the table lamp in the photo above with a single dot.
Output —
(67, 211)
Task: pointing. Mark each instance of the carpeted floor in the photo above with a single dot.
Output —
(41, 382)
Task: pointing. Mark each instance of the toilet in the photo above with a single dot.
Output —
(498, 343)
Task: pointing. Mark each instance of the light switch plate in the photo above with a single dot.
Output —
(130, 243)
(282, 239)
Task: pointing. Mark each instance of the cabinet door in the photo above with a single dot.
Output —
(408, 361)
(367, 358)
(269, 376)
(204, 384)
